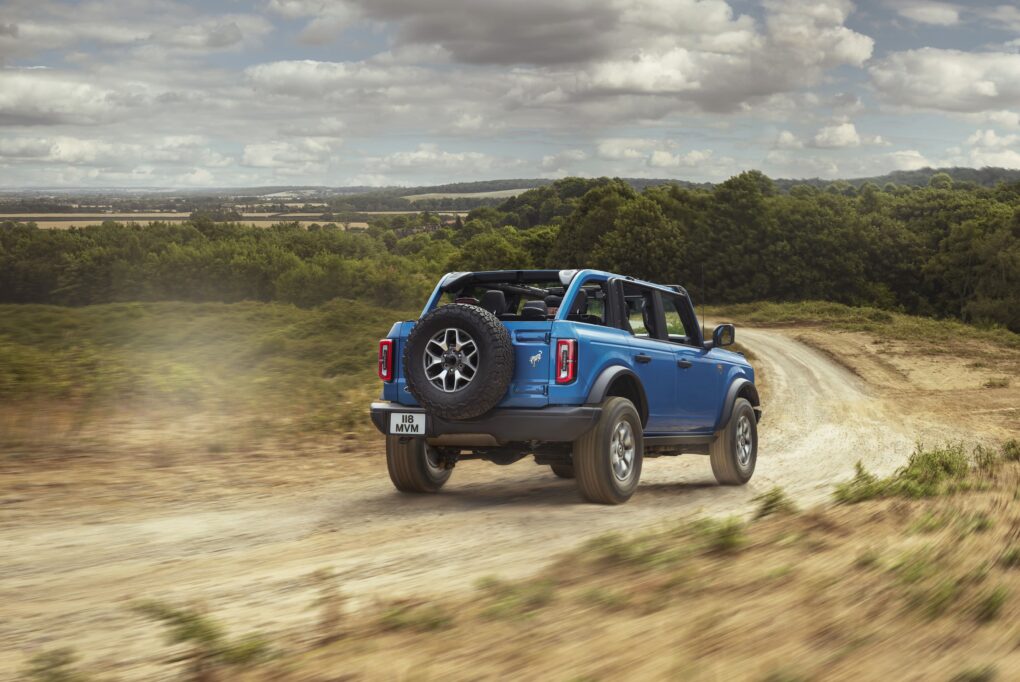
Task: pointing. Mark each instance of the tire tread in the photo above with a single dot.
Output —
(721, 452)
(593, 478)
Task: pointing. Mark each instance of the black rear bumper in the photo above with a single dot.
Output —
(558, 424)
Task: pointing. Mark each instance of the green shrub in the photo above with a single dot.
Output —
(210, 647)
(774, 501)
(928, 473)
(418, 617)
(989, 604)
(1011, 450)
(644, 551)
(603, 598)
(724, 536)
(1011, 557)
(986, 459)
(929, 522)
(54, 666)
(513, 600)
(863, 486)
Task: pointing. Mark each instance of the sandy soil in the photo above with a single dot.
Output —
(242, 533)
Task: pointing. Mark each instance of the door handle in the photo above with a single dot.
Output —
(684, 363)
(642, 358)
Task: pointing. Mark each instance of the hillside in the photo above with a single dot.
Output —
(224, 449)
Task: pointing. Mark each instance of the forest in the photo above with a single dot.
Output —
(943, 250)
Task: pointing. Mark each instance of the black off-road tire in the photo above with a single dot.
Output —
(495, 364)
(593, 456)
(562, 470)
(409, 466)
(729, 465)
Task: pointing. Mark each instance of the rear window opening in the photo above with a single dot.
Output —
(516, 301)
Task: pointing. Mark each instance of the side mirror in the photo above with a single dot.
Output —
(724, 335)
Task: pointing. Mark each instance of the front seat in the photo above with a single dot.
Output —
(580, 303)
(535, 310)
(494, 301)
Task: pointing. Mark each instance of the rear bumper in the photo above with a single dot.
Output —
(548, 424)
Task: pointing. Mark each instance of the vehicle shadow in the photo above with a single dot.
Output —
(469, 497)
(524, 494)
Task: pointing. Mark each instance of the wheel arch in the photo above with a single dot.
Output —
(740, 388)
(621, 382)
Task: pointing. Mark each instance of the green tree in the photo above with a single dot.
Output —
(490, 251)
(642, 243)
(594, 216)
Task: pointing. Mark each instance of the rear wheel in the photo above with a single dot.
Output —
(562, 470)
(415, 466)
(735, 452)
(608, 458)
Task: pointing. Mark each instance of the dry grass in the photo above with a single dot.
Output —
(837, 592)
(221, 375)
(495, 194)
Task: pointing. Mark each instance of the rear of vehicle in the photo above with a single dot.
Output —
(493, 360)
(580, 369)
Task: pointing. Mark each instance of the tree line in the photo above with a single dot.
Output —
(939, 250)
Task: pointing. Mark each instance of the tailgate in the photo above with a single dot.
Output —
(532, 364)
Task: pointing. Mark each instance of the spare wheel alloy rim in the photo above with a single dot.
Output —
(451, 360)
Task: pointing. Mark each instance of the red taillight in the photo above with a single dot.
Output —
(386, 359)
(566, 361)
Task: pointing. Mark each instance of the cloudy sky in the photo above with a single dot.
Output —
(409, 92)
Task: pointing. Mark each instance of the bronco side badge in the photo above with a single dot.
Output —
(535, 359)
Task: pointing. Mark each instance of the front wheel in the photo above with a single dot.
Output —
(607, 459)
(734, 452)
(414, 465)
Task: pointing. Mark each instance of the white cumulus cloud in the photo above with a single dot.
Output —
(837, 137)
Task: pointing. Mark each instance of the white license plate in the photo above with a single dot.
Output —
(407, 424)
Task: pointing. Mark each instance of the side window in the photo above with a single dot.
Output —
(640, 311)
(674, 322)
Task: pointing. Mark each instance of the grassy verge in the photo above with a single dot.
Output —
(838, 316)
(836, 592)
(277, 365)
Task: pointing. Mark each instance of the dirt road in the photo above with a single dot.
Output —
(244, 539)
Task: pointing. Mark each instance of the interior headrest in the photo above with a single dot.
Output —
(580, 303)
(535, 310)
(494, 301)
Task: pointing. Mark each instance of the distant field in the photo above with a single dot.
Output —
(67, 224)
(157, 215)
(498, 194)
(62, 221)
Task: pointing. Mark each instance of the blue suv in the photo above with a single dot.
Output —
(587, 371)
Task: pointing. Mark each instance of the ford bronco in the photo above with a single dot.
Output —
(586, 371)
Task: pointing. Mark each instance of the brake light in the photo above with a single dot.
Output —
(386, 359)
(566, 361)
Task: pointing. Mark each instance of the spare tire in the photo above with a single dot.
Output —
(458, 361)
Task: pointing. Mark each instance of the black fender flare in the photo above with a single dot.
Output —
(611, 374)
(738, 387)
